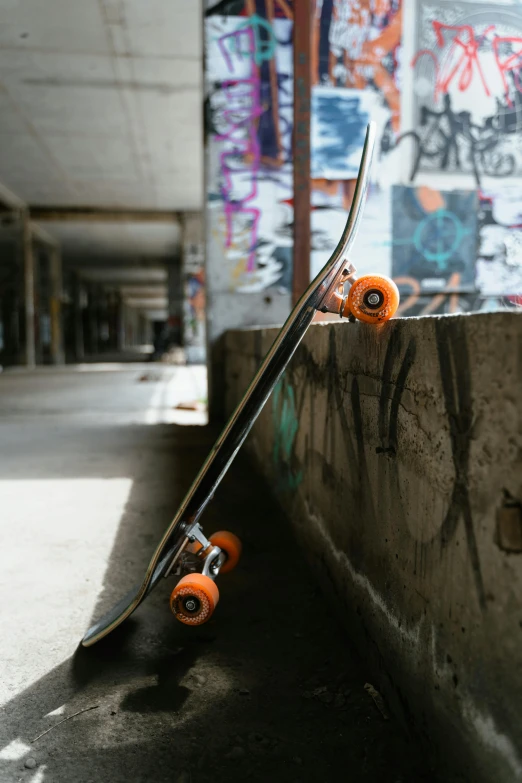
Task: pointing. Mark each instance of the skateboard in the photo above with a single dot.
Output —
(184, 551)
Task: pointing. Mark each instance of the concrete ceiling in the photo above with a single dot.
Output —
(101, 102)
(116, 242)
(101, 108)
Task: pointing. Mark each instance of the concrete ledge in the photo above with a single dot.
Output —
(397, 454)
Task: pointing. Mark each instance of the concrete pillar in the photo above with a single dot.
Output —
(193, 273)
(79, 296)
(55, 269)
(92, 314)
(175, 302)
(27, 261)
(120, 338)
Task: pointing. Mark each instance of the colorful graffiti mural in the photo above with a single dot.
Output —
(464, 101)
(499, 263)
(357, 45)
(466, 104)
(250, 97)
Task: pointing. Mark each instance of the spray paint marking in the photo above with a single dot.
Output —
(241, 154)
(286, 425)
(463, 59)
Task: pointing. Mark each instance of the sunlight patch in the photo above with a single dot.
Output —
(15, 751)
(58, 539)
(57, 711)
(39, 777)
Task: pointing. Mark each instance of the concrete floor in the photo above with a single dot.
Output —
(93, 463)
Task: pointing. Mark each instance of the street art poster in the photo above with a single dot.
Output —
(356, 44)
(499, 262)
(467, 89)
(338, 128)
(268, 9)
(434, 237)
(330, 205)
(249, 125)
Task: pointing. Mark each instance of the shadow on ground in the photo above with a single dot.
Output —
(268, 690)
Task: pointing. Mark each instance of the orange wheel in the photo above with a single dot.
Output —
(194, 599)
(231, 546)
(373, 299)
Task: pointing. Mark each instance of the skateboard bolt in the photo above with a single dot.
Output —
(191, 604)
(373, 298)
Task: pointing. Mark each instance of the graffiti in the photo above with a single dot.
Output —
(357, 45)
(339, 121)
(430, 276)
(239, 160)
(434, 237)
(449, 300)
(195, 309)
(372, 252)
(356, 449)
(447, 141)
(455, 376)
(268, 9)
(467, 97)
(271, 9)
(286, 425)
(194, 300)
(499, 263)
(250, 124)
(463, 63)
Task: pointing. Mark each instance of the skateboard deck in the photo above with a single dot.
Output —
(184, 547)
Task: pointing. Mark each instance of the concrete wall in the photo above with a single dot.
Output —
(397, 454)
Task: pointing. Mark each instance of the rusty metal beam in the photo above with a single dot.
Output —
(301, 145)
(101, 215)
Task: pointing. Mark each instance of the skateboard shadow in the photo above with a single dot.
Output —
(156, 701)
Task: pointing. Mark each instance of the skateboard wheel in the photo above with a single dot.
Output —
(372, 299)
(231, 546)
(194, 599)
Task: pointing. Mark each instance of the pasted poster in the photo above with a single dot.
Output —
(356, 61)
(249, 125)
(434, 239)
(331, 202)
(338, 129)
(499, 263)
(467, 99)
(356, 44)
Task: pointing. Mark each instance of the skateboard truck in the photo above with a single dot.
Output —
(336, 301)
(194, 548)
(201, 559)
